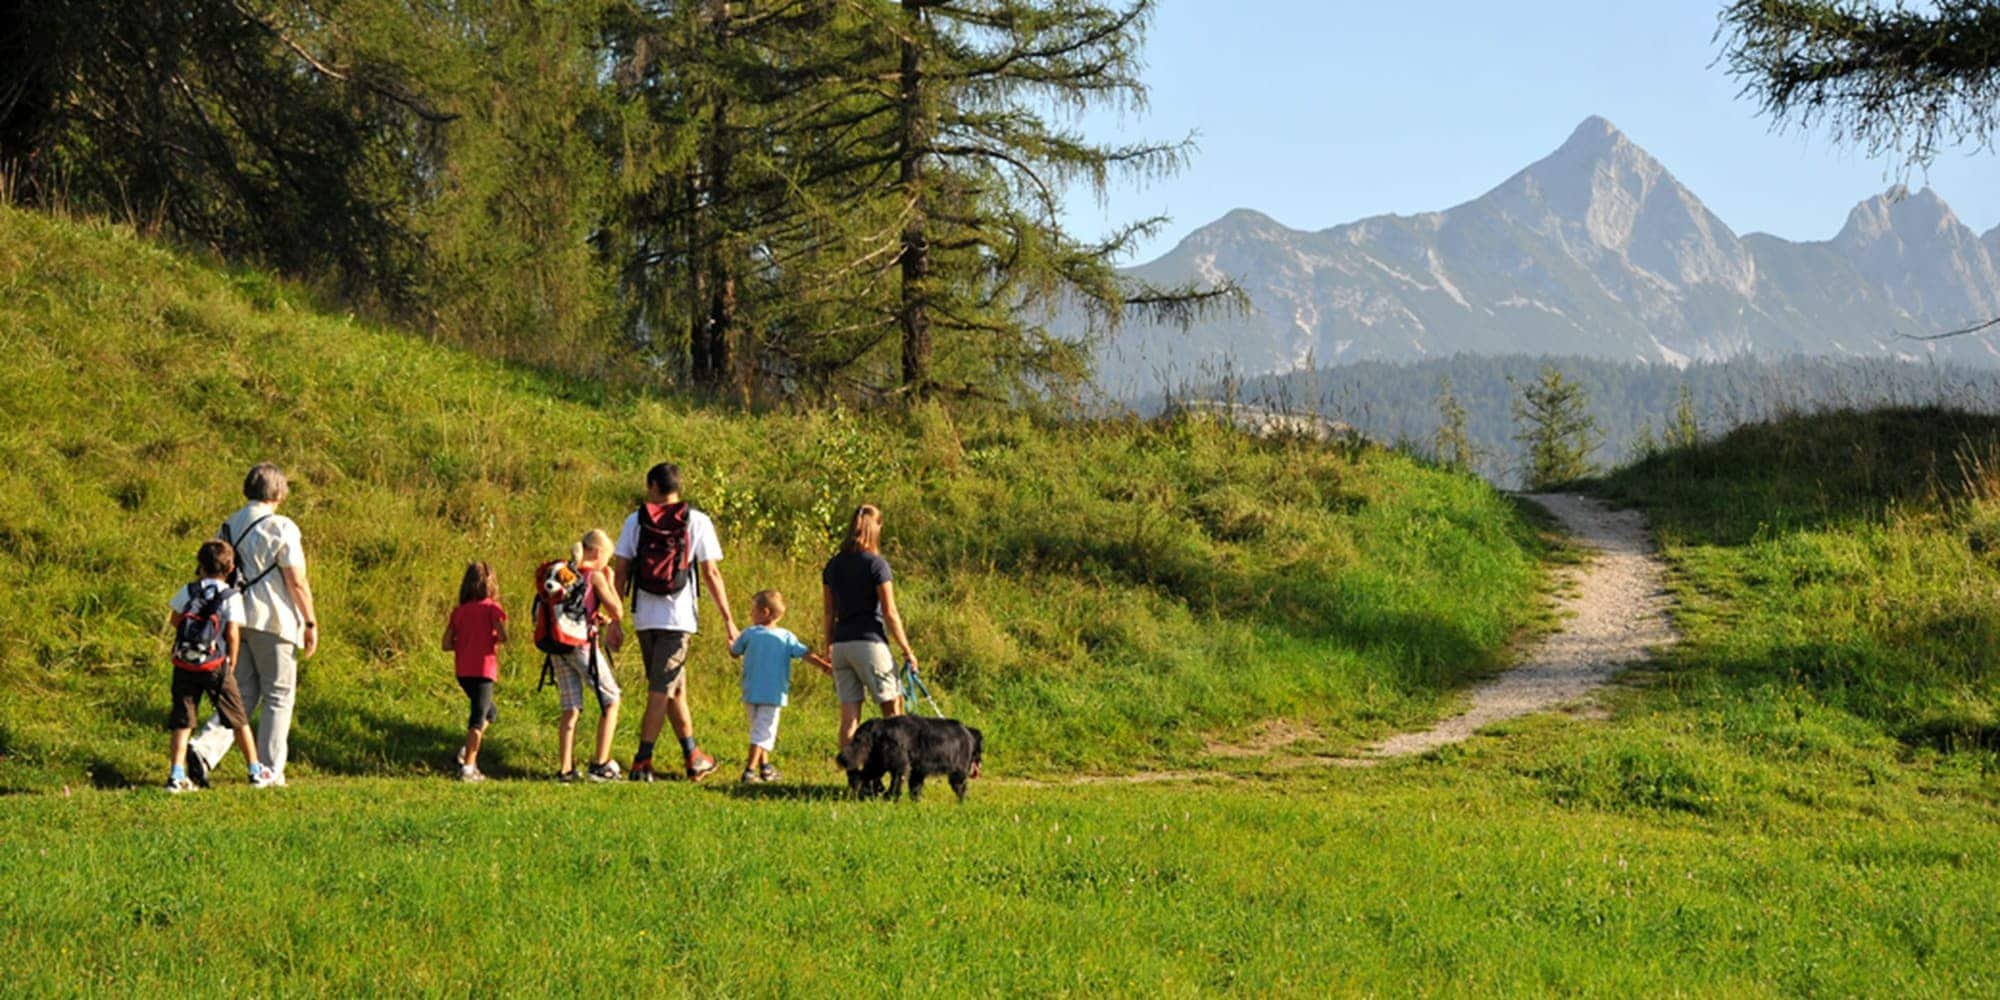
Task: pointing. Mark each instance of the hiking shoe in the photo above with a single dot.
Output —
(468, 772)
(176, 786)
(642, 770)
(264, 777)
(699, 765)
(569, 777)
(197, 769)
(607, 771)
(750, 777)
(767, 773)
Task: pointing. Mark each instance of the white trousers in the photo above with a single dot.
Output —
(267, 676)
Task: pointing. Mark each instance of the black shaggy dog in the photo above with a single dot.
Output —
(911, 748)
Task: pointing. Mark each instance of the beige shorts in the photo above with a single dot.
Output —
(864, 671)
(665, 653)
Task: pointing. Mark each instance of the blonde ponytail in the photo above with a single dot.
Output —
(594, 542)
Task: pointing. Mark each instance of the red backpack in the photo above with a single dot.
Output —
(665, 555)
(201, 640)
(563, 606)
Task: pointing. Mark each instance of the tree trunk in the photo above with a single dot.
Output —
(697, 278)
(722, 261)
(916, 253)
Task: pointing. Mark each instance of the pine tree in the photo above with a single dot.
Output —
(1645, 444)
(1684, 431)
(1555, 429)
(1452, 444)
(981, 165)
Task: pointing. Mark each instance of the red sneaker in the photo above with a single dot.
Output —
(699, 765)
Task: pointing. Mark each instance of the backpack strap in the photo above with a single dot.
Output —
(236, 545)
(213, 602)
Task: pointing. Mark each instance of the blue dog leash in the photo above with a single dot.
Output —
(915, 689)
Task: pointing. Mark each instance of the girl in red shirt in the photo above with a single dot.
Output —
(478, 627)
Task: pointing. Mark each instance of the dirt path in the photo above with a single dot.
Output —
(1614, 610)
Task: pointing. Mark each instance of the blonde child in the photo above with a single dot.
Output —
(477, 628)
(587, 666)
(767, 652)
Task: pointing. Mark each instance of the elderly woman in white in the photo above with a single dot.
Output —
(278, 629)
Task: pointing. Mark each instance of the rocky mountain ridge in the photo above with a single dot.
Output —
(1595, 250)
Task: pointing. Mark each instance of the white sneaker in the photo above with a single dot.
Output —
(267, 778)
(467, 772)
(176, 786)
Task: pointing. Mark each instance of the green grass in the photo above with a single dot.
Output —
(1438, 881)
(1101, 596)
(1800, 799)
(1837, 577)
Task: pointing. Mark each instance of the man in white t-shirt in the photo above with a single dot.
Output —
(666, 553)
(278, 624)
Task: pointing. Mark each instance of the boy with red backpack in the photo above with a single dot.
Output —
(207, 621)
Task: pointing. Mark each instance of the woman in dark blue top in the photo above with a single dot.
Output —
(860, 620)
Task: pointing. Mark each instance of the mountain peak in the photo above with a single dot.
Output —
(1596, 134)
(1901, 212)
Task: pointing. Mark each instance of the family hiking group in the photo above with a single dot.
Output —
(242, 627)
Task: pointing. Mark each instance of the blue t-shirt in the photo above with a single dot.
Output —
(767, 663)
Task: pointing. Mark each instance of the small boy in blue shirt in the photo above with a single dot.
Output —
(767, 652)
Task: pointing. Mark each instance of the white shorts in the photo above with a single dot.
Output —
(764, 725)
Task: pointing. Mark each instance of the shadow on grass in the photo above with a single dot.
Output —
(1810, 471)
(789, 792)
(352, 740)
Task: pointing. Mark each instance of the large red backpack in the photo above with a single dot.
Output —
(201, 640)
(665, 555)
(563, 606)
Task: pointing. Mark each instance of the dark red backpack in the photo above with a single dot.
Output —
(201, 640)
(665, 557)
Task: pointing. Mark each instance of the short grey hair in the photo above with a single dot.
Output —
(265, 483)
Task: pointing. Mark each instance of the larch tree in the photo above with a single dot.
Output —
(1555, 429)
(982, 162)
(1896, 79)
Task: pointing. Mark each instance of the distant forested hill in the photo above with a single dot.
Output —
(1398, 403)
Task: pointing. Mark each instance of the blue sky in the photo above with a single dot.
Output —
(1318, 113)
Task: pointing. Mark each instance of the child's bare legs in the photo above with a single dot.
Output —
(606, 725)
(755, 759)
(473, 737)
(246, 742)
(177, 756)
(566, 740)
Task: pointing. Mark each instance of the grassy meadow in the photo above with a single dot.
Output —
(1104, 596)
(1802, 798)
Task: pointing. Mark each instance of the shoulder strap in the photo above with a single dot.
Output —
(236, 546)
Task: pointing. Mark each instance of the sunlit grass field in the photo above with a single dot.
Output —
(1803, 798)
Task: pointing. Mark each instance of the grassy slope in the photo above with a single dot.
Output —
(1099, 597)
(1752, 821)
(1838, 576)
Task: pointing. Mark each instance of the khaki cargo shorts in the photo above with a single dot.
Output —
(864, 671)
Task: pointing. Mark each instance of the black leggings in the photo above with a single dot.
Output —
(480, 691)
